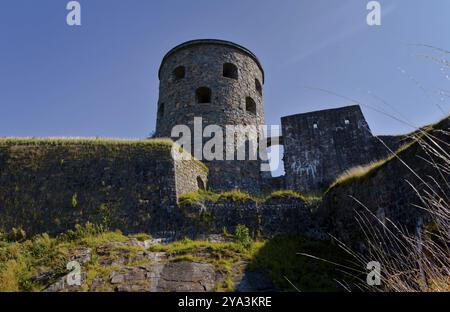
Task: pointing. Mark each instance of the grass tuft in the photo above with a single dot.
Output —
(291, 194)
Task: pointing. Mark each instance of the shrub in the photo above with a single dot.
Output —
(75, 200)
(89, 229)
(16, 235)
(242, 236)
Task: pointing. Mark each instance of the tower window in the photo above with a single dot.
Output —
(250, 105)
(200, 184)
(161, 110)
(179, 72)
(347, 121)
(315, 125)
(258, 86)
(203, 95)
(230, 71)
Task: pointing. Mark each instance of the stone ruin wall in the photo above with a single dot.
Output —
(51, 187)
(319, 146)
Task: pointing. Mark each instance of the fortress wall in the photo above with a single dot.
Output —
(387, 192)
(384, 144)
(49, 186)
(319, 146)
(190, 176)
(286, 216)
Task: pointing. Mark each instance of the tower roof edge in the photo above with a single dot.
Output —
(191, 43)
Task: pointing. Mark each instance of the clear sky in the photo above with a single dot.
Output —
(100, 79)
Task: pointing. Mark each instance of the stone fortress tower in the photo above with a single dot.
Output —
(221, 82)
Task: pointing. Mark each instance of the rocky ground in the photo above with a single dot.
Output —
(133, 266)
(90, 258)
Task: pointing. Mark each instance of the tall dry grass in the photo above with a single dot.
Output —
(410, 262)
(419, 261)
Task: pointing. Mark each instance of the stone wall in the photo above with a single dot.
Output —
(319, 146)
(202, 62)
(190, 175)
(267, 219)
(51, 185)
(387, 192)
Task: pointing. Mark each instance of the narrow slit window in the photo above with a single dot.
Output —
(200, 184)
(250, 105)
(161, 110)
(258, 86)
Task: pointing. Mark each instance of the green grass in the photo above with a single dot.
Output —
(214, 197)
(141, 236)
(291, 194)
(277, 257)
(222, 255)
(20, 261)
(239, 196)
(195, 197)
(94, 142)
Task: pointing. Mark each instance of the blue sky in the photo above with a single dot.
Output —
(100, 79)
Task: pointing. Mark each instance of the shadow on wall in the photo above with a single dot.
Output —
(279, 258)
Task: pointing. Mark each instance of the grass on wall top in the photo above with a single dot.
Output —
(61, 141)
(83, 141)
(240, 196)
(369, 170)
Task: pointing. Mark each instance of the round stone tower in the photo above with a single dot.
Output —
(221, 82)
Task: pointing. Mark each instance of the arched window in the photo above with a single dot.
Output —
(161, 110)
(230, 71)
(250, 105)
(179, 72)
(258, 86)
(200, 184)
(347, 121)
(315, 125)
(203, 95)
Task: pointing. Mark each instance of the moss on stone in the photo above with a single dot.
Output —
(239, 196)
(290, 194)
